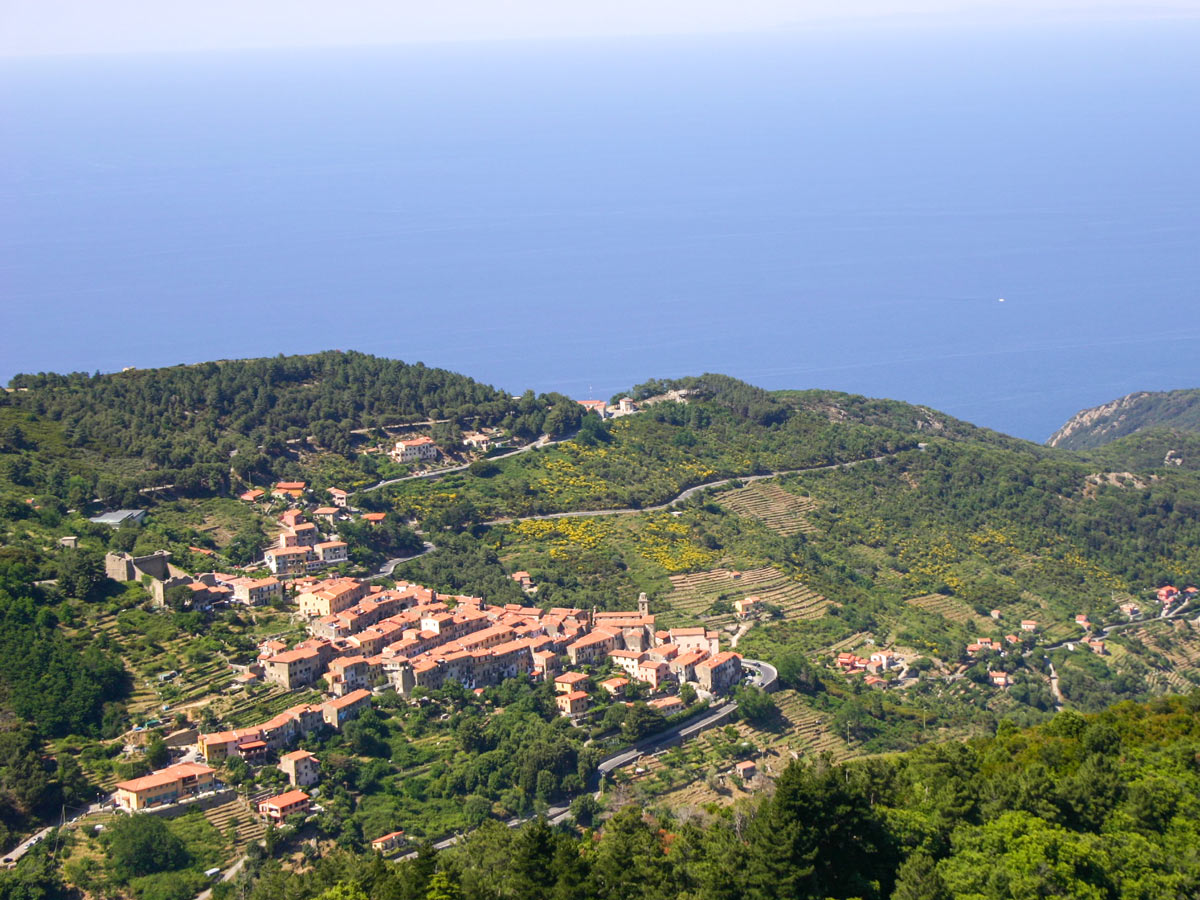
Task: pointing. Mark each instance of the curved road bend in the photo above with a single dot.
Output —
(390, 565)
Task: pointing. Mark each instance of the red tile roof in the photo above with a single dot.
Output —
(285, 799)
(169, 775)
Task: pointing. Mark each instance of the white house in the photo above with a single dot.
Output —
(415, 448)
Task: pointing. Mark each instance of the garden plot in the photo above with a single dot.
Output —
(781, 511)
(694, 595)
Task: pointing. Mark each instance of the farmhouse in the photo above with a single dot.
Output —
(572, 704)
(568, 682)
(292, 489)
(388, 842)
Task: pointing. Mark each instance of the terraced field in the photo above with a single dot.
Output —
(1178, 642)
(245, 711)
(802, 731)
(855, 640)
(783, 512)
(692, 595)
(953, 609)
(241, 814)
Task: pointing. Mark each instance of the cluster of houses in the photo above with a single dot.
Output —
(1169, 595)
(363, 635)
(626, 405)
(302, 547)
(668, 661)
(254, 745)
(623, 407)
(873, 667)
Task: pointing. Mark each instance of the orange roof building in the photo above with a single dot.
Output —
(164, 786)
(276, 809)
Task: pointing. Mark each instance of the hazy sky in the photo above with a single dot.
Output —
(40, 27)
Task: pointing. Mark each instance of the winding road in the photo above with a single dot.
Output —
(683, 495)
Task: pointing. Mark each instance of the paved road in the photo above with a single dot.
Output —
(684, 495)
(1058, 697)
(1104, 632)
(228, 875)
(766, 677)
(24, 847)
(390, 566)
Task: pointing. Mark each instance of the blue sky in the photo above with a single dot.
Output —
(49, 27)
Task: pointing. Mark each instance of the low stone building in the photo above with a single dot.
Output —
(277, 809)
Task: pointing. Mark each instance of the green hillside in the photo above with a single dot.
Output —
(1172, 410)
(860, 524)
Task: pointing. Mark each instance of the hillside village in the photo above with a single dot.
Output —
(365, 639)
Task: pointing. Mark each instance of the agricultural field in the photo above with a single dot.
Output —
(706, 596)
(1168, 654)
(953, 609)
(780, 510)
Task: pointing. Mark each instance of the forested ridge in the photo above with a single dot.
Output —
(194, 426)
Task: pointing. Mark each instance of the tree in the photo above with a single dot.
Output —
(796, 672)
(754, 704)
(24, 782)
(641, 720)
(442, 888)
(142, 845)
(12, 438)
(177, 597)
(80, 573)
(157, 754)
(343, 891)
(918, 879)
(584, 808)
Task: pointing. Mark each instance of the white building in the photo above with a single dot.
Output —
(416, 448)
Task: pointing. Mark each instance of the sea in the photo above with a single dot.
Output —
(1002, 223)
